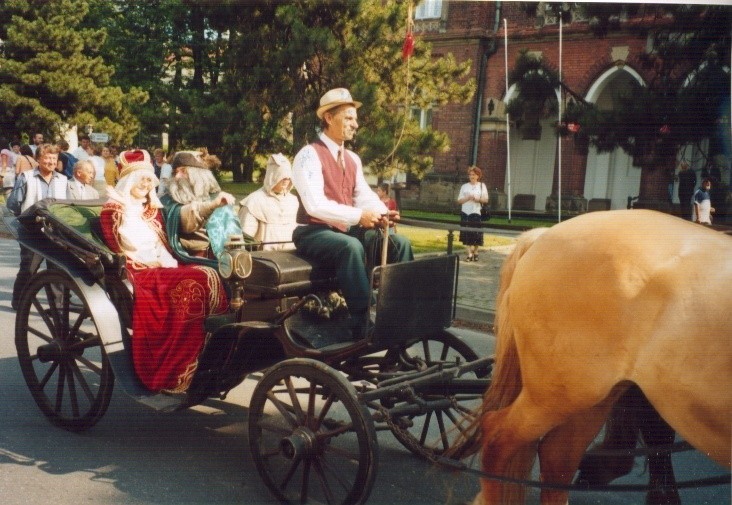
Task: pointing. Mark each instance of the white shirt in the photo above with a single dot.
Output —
(99, 167)
(166, 172)
(307, 177)
(477, 190)
(80, 154)
(11, 157)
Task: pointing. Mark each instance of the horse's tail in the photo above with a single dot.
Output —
(506, 380)
(506, 377)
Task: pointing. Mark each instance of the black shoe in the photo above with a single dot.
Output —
(475, 257)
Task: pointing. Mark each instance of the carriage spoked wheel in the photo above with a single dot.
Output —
(310, 438)
(61, 353)
(433, 433)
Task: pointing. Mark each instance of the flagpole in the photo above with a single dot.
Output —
(559, 137)
(508, 122)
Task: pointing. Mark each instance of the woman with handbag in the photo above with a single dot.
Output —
(473, 194)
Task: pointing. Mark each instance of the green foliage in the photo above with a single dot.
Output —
(244, 78)
(389, 140)
(536, 93)
(52, 76)
(682, 100)
(148, 43)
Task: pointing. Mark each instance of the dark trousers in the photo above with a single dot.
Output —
(24, 274)
(346, 251)
(685, 205)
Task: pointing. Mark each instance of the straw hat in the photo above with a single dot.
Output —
(334, 98)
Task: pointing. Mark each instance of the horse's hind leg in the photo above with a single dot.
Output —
(657, 433)
(561, 450)
(509, 450)
(621, 432)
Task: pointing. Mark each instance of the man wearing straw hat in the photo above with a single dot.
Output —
(338, 205)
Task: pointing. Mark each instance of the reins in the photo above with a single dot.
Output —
(644, 451)
(716, 480)
(460, 466)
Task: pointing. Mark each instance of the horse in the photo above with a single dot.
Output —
(633, 417)
(588, 308)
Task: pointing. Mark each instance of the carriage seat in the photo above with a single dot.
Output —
(276, 274)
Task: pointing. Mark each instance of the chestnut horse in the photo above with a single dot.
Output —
(590, 307)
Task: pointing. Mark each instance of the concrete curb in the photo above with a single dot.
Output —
(473, 316)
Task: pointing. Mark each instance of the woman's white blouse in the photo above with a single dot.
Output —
(477, 190)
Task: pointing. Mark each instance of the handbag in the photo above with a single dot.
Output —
(485, 210)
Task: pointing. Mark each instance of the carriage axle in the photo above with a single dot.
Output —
(302, 443)
(56, 351)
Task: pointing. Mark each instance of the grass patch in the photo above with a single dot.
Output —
(426, 240)
(239, 189)
(498, 220)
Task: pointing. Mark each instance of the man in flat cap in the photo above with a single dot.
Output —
(199, 216)
(338, 205)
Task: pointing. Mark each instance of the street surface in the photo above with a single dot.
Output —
(136, 455)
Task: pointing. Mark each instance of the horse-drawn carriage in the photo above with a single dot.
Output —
(321, 397)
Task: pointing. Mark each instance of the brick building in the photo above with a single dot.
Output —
(591, 66)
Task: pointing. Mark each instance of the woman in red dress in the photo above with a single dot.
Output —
(171, 301)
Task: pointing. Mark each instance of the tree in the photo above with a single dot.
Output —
(281, 57)
(52, 76)
(244, 78)
(687, 83)
(149, 45)
(362, 50)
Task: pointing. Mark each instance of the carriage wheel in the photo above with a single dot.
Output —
(310, 438)
(61, 353)
(433, 433)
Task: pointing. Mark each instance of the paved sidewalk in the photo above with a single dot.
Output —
(478, 286)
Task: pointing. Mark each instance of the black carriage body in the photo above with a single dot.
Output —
(410, 369)
(415, 299)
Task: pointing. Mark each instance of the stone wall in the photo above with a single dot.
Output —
(439, 194)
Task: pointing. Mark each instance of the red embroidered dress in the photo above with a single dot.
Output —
(170, 307)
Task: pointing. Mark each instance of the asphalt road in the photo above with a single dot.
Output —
(136, 455)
